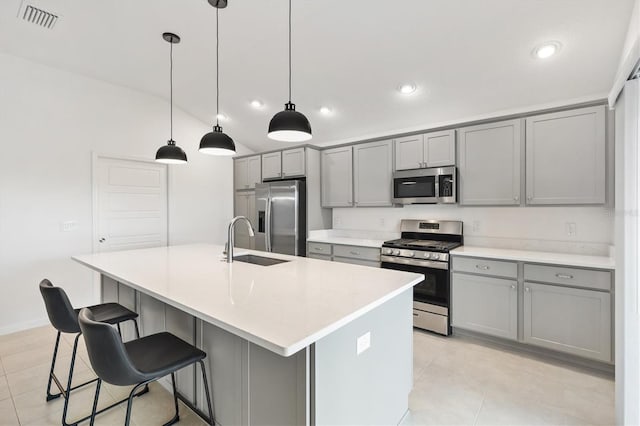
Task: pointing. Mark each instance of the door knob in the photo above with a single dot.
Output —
(102, 240)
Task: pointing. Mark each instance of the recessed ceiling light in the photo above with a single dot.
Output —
(221, 117)
(257, 103)
(546, 50)
(325, 110)
(407, 88)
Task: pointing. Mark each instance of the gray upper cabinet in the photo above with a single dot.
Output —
(246, 172)
(337, 177)
(489, 163)
(372, 169)
(272, 165)
(437, 149)
(567, 319)
(410, 152)
(293, 162)
(485, 304)
(566, 157)
(440, 148)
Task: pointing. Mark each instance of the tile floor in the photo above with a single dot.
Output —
(457, 381)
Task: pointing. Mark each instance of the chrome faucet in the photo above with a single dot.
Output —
(231, 237)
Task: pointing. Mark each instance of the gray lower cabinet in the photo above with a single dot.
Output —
(182, 325)
(566, 157)
(372, 169)
(489, 164)
(319, 256)
(356, 261)
(337, 177)
(485, 304)
(566, 319)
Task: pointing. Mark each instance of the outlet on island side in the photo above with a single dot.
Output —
(363, 343)
(570, 228)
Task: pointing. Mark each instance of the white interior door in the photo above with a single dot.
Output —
(130, 204)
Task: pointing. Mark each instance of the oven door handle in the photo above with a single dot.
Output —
(415, 262)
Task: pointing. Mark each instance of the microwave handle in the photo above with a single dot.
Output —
(437, 188)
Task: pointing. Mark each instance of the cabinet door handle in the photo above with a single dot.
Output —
(513, 286)
(529, 198)
(355, 253)
(415, 315)
(564, 276)
(483, 267)
(527, 289)
(516, 198)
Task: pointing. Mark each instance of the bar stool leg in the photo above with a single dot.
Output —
(176, 417)
(52, 371)
(212, 420)
(95, 403)
(67, 394)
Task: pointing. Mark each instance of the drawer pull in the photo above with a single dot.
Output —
(416, 315)
(355, 253)
(319, 248)
(564, 276)
(483, 267)
(513, 286)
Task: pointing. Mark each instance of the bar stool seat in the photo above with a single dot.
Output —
(111, 313)
(160, 354)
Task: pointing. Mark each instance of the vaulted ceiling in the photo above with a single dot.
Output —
(467, 57)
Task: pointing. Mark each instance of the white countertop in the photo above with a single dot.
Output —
(283, 307)
(351, 237)
(585, 261)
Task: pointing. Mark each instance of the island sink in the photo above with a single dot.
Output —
(258, 260)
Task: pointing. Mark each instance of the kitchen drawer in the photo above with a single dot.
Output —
(355, 252)
(474, 265)
(357, 261)
(319, 256)
(574, 277)
(319, 248)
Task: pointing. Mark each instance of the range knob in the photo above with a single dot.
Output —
(435, 256)
(395, 252)
(410, 254)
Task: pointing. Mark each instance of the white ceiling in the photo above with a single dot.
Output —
(468, 57)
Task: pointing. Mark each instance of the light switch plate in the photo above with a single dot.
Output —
(363, 343)
(68, 226)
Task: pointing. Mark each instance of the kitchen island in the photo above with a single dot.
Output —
(299, 342)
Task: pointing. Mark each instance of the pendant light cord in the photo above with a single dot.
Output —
(171, 86)
(217, 67)
(289, 51)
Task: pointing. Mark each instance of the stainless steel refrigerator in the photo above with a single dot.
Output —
(281, 217)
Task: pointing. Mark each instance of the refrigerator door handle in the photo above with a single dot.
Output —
(268, 226)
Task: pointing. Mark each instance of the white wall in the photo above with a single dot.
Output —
(50, 123)
(532, 228)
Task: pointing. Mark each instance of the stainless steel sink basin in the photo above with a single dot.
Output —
(258, 260)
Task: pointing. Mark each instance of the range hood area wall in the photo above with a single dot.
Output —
(529, 228)
(52, 121)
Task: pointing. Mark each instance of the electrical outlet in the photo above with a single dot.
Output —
(570, 228)
(363, 343)
(381, 222)
(68, 226)
(475, 227)
(337, 221)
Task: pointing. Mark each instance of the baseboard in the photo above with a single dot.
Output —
(13, 328)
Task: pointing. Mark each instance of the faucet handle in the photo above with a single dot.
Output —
(226, 248)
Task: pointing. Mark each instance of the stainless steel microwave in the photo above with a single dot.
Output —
(425, 186)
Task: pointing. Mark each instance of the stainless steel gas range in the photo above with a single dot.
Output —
(424, 248)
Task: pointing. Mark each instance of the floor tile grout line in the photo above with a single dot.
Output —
(475, 419)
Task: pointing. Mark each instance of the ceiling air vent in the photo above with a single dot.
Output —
(39, 17)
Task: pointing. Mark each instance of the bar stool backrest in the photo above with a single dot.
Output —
(107, 353)
(59, 309)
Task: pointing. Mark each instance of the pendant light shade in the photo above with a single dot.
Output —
(217, 142)
(289, 125)
(171, 153)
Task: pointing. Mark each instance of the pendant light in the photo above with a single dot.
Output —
(171, 153)
(289, 125)
(217, 142)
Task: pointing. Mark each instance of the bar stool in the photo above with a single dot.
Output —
(64, 318)
(137, 362)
